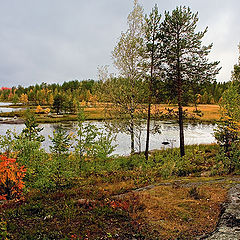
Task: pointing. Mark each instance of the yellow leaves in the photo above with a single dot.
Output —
(83, 103)
(47, 110)
(93, 98)
(39, 109)
(51, 99)
(23, 98)
(199, 98)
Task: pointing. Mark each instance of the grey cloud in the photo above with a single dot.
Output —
(59, 40)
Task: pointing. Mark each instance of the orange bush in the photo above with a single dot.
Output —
(39, 109)
(11, 178)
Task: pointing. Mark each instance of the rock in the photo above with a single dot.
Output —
(13, 121)
(229, 224)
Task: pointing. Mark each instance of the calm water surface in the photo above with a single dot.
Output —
(5, 104)
(3, 107)
(194, 134)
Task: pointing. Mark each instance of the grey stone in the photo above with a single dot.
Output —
(229, 224)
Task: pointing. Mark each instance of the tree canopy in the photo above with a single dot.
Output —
(186, 63)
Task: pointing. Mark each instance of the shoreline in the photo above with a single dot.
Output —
(20, 120)
(211, 114)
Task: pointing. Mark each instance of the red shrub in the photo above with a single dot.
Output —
(11, 178)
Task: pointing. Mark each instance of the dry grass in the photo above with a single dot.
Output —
(97, 112)
(173, 214)
(118, 187)
(210, 112)
(94, 112)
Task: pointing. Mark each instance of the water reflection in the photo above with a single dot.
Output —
(5, 104)
(194, 134)
(4, 108)
(7, 109)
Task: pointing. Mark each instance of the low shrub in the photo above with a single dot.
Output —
(11, 178)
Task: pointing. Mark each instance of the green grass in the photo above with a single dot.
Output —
(87, 207)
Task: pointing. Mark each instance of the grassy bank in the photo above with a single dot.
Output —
(210, 113)
(183, 201)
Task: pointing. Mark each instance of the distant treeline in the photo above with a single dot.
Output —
(70, 93)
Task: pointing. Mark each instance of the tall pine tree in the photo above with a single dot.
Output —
(186, 61)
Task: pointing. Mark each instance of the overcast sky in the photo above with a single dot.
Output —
(61, 40)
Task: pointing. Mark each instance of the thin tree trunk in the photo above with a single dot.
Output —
(179, 92)
(180, 110)
(150, 98)
(148, 130)
(180, 121)
(132, 115)
(149, 113)
(132, 136)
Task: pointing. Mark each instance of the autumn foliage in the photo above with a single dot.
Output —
(11, 178)
(39, 109)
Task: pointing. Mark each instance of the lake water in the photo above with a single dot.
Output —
(194, 134)
(5, 104)
(4, 109)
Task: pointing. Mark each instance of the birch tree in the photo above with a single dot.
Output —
(127, 56)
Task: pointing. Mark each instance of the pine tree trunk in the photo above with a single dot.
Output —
(180, 121)
(180, 111)
(148, 129)
(150, 98)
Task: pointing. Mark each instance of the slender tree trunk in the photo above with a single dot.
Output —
(180, 110)
(179, 92)
(132, 115)
(132, 135)
(148, 130)
(150, 99)
(180, 121)
(149, 114)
